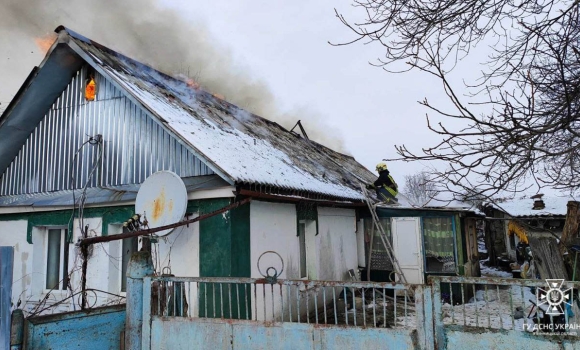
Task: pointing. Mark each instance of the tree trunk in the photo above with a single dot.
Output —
(569, 234)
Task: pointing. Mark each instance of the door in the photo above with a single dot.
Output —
(408, 248)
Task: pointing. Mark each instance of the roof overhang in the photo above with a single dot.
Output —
(39, 91)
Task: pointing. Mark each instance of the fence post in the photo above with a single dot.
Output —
(429, 302)
(6, 267)
(439, 332)
(146, 337)
(139, 266)
(17, 330)
(419, 311)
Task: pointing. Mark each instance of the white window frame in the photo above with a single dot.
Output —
(63, 237)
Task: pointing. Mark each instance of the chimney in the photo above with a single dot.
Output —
(538, 202)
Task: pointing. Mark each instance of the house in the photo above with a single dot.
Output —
(516, 220)
(89, 125)
(438, 238)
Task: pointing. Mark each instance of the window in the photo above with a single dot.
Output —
(130, 246)
(379, 258)
(302, 242)
(57, 259)
(439, 244)
(307, 249)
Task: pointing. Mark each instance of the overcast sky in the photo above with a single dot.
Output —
(284, 44)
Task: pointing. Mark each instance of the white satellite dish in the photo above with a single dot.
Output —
(163, 200)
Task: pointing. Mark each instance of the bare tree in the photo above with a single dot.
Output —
(520, 119)
(419, 188)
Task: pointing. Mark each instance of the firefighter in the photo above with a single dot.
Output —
(385, 185)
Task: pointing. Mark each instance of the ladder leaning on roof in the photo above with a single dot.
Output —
(382, 235)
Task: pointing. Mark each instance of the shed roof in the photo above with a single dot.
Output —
(240, 146)
(522, 207)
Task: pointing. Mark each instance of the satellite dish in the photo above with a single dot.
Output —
(162, 198)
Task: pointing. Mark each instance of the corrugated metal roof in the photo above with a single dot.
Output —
(244, 147)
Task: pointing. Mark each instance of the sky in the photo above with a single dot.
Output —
(276, 49)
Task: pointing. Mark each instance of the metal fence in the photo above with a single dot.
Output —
(500, 303)
(357, 304)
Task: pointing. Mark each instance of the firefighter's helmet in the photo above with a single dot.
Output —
(381, 166)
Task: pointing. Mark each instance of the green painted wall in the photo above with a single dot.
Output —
(215, 241)
(224, 244)
(110, 215)
(224, 251)
(218, 234)
(240, 226)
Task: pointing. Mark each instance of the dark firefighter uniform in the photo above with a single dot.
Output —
(385, 185)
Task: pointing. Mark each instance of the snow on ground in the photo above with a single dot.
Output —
(493, 308)
(492, 271)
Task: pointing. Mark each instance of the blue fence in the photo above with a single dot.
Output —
(99, 328)
(294, 314)
(448, 313)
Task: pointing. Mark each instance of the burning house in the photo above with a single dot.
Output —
(89, 125)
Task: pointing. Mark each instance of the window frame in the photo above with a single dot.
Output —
(303, 265)
(116, 260)
(122, 260)
(310, 261)
(64, 260)
(368, 248)
(454, 229)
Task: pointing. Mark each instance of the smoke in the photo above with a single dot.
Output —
(163, 39)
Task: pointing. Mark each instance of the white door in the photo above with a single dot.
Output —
(408, 248)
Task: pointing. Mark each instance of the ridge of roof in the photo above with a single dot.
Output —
(282, 159)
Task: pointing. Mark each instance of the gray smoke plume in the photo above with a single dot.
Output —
(159, 37)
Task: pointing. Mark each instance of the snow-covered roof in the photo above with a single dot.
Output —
(433, 204)
(243, 147)
(522, 206)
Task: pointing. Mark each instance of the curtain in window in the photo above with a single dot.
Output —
(439, 242)
(379, 258)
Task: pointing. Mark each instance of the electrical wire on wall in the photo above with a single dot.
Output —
(93, 140)
(96, 140)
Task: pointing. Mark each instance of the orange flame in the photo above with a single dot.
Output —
(44, 43)
(192, 84)
(221, 97)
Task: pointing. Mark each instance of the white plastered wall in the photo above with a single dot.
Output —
(29, 274)
(273, 227)
(330, 254)
(336, 243)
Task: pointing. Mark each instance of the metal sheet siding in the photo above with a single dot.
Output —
(135, 145)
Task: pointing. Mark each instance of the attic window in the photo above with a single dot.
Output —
(90, 85)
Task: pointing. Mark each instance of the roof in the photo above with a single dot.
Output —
(432, 205)
(241, 147)
(522, 207)
(102, 195)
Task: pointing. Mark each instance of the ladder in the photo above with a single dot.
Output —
(382, 235)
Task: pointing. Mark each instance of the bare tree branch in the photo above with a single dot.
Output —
(521, 119)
